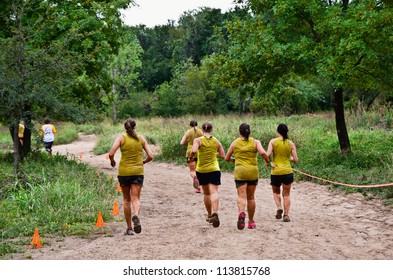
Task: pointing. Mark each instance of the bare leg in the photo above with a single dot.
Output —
(127, 204)
(136, 198)
(241, 197)
(251, 202)
(192, 166)
(277, 196)
(206, 199)
(213, 189)
(286, 197)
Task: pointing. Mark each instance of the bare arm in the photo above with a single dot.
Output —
(148, 151)
(262, 151)
(221, 152)
(294, 153)
(228, 156)
(118, 141)
(270, 152)
(184, 139)
(270, 148)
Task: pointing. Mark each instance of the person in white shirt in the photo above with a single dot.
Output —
(47, 134)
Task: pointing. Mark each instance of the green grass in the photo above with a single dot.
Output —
(5, 139)
(55, 195)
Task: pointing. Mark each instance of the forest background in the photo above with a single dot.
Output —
(323, 67)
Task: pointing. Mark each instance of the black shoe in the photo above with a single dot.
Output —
(279, 214)
(137, 224)
(216, 220)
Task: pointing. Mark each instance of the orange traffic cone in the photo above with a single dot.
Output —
(118, 187)
(36, 240)
(115, 210)
(80, 155)
(100, 221)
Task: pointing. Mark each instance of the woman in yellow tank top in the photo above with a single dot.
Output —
(283, 151)
(188, 138)
(246, 172)
(208, 148)
(131, 171)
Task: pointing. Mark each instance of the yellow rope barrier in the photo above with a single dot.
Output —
(343, 184)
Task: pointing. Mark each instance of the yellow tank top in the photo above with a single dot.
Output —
(192, 134)
(281, 157)
(207, 155)
(131, 162)
(246, 167)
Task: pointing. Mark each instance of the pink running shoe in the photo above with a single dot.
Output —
(241, 221)
(198, 190)
(252, 225)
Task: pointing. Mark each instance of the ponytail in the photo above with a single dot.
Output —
(283, 130)
(207, 127)
(129, 125)
(194, 124)
(244, 130)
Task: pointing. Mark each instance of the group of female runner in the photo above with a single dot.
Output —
(203, 149)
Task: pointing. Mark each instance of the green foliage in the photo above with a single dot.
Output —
(123, 72)
(5, 139)
(167, 103)
(50, 199)
(107, 136)
(138, 104)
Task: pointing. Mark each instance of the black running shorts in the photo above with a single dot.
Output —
(126, 181)
(209, 178)
(277, 180)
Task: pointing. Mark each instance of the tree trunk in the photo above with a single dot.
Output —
(17, 146)
(26, 148)
(114, 112)
(341, 127)
(114, 116)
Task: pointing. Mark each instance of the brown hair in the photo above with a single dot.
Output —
(194, 124)
(283, 130)
(130, 125)
(244, 130)
(207, 127)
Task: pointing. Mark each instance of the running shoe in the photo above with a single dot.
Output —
(279, 214)
(286, 218)
(209, 220)
(241, 221)
(195, 182)
(137, 224)
(198, 190)
(129, 232)
(216, 220)
(252, 225)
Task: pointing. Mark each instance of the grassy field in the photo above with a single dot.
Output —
(371, 161)
(49, 198)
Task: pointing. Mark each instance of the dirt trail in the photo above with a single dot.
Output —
(324, 225)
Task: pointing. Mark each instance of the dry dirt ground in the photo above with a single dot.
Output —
(325, 225)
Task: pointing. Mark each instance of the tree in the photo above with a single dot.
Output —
(346, 43)
(157, 54)
(51, 60)
(196, 29)
(123, 70)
